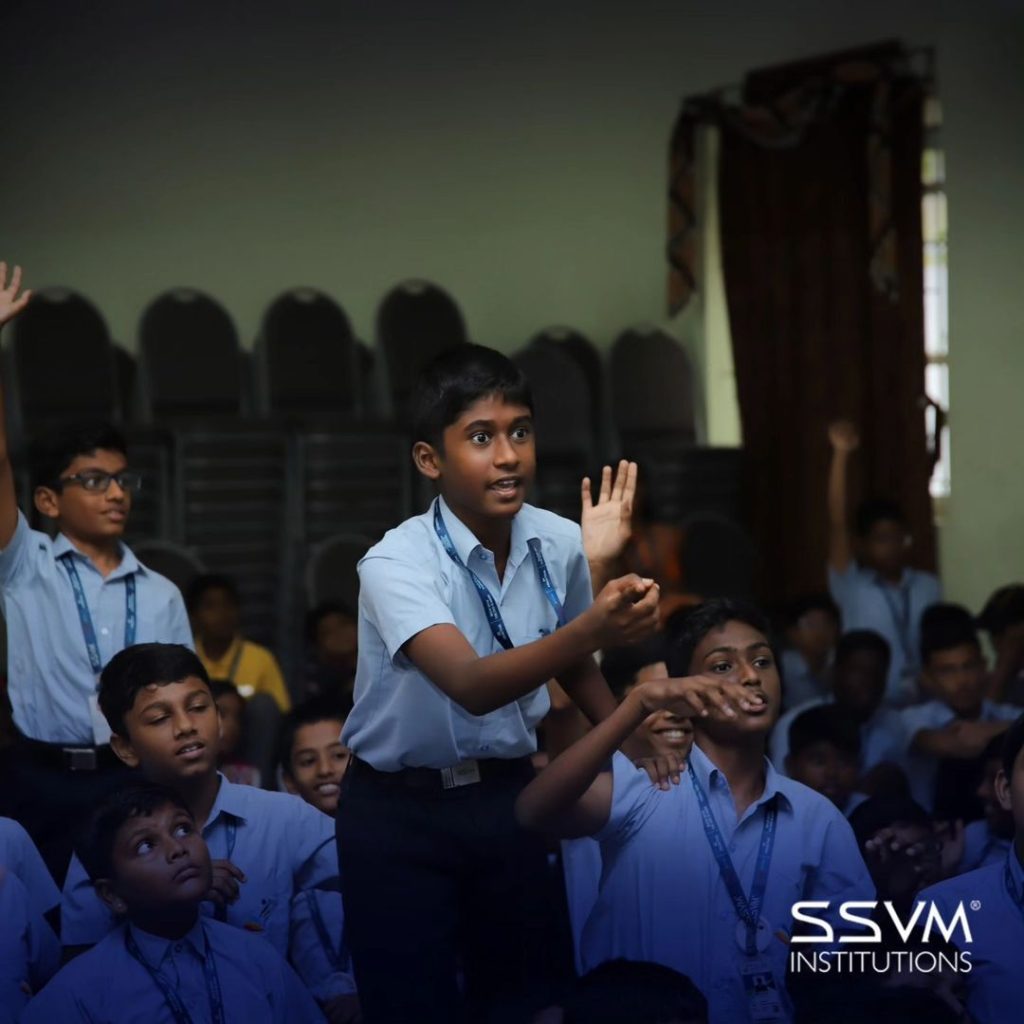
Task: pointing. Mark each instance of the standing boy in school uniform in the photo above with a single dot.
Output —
(70, 604)
(165, 961)
(464, 613)
(868, 574)
(702, 877)
(266, 846)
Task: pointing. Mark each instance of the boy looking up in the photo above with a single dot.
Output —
(266, 846)
(465, 612)
(165, 961)
(868, 573)
(702, 877)
(70, 604)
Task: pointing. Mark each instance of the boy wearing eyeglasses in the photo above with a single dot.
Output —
(71, 603)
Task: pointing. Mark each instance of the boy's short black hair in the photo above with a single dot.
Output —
(863, 640)
(95, 842)
(825, 723)
(317, 709)
(621, 664)
(320, 612)
(456, 379)
(139, 666)
(635, 991)
(1003, 609)
(224, 687)
(877, 510)
(54, 454)
(880, 812)
(793, 612)
(945, 626)
(1013, 742)
(206, 582)
(690, 629)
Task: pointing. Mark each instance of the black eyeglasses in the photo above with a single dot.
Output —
(98, 482)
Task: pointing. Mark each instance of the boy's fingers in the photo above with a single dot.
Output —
(3, 275)
(606, 485)
(629, 489)
(620, 480)
(585, 493)
(16, 280)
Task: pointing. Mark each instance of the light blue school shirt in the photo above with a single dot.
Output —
(317, 947)
(581, 866)
(921, 769)
(981, 847)
(107, 985)
(997, 931)
(799, 683)
(282, 845)
(19, 855)
(893, 611)
(50, 678)
(408, 583)
(662, 898)
(29, 950)
(881, 736)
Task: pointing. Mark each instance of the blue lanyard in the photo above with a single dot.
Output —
(220, 911)
(748, 908)
(900, 615)
(173, 1000)
(494, 619)
(84, 616)
(338, 957)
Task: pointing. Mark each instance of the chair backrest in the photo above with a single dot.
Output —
(719, 558)
(583, 352)
(190, 363)
(179, 564)
(61, 363)
(652, 385)
(561, 401)
(331, 570)
(306, 358)
(416, 322)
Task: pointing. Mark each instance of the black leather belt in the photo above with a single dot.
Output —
(70, 757)
(438, 780)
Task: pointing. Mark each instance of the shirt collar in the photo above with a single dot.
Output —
(129, 563)
(466, 542)
(230, 800)
(709, 776)
(155, 948)
(227, 657)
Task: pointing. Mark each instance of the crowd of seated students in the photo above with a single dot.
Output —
(172, 842)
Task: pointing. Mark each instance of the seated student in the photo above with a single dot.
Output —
(957, 723)
(858, 687)
(702, 876)
(997, 890)
(333, 644)
(313, 762)
(824, 755)
(231, 708)
(811, 629)
(876, 589)
(1003, 619)
(18, 854)
(266, 846)
(29, 950)
(164, 961)
(987, 840)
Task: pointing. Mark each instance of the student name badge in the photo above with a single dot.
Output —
(100, 727)
(762, 992)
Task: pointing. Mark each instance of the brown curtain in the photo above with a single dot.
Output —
(820, 208)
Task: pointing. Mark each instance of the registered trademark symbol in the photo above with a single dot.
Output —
(975, 904)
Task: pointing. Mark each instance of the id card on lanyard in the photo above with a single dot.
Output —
(100, 727)
(490, 606)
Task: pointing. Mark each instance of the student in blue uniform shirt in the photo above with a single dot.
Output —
(702, 876)
(464, 613)
(993, 899)
(266, 846)
(165, 963)
(70, 603)
(19, 856)
(29, 950)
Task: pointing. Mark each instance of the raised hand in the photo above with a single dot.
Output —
(843, 436)
(607, 526)
(624, 612)
(11, 304)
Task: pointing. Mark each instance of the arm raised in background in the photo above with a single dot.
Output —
(11, 304)
(959, 740)
(608, 525)
(845, 440)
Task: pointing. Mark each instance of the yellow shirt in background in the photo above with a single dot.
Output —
(252, 668)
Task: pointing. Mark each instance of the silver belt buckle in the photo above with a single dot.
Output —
(465, 773)
(81, 759)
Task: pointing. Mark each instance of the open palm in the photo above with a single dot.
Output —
(608, 525)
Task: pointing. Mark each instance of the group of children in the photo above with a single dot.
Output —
(697, 783)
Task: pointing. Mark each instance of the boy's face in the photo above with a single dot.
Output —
(740, 653)
(173, 732)
(216, 615)
(486, 462)
(91, 515)
(885, 546)
(1010, 794)
(814, 634)
(160, 862)
(318, 764)
(858, 683)
(337, 641)
(665, 732)
(231, 708)
(826, 769)
(999, 820)
(957, 677)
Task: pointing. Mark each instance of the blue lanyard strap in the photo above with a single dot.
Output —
(494, 619)
(173, 1000)
(338, 958)
(748, 908)
(220, 911)
(85, 617)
